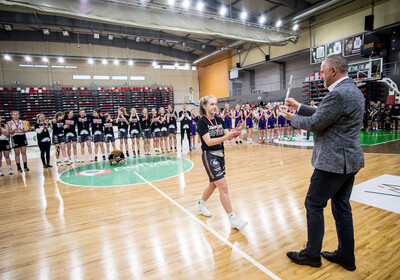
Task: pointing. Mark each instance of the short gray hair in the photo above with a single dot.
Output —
(339, 62)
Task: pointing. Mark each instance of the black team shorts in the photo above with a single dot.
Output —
(214, 165)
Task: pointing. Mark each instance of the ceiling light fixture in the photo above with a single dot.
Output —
(96, 35)
(45, 59)
(200, 6)
(278, 23)
(176, 65)
(154, 64)
(65, 33)
(171, 2)
(46, 31)
(203, 46)
(186, 4)
(222, 11)
(7, 57)
(110, 37)
(116, 62)
(183, 44)
(90, 60)
(295, 26)
(262, 19)
(61, 60)
(161, 42)
(243, 15)
(130, 62)
(28, 58)
(104, 61)
(138, 39)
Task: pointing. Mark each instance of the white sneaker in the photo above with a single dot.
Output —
(67, 162)
(203, 209)
(238, 223)
(76, 160)
(59, 163)
(91, 158)
(10, 172)
(83, 159)
(1, 173)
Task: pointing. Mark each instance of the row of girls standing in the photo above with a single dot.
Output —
(266, 121)
(227, 115)
(98, 128)
(239, 116)
(159, 126)
(268, 118)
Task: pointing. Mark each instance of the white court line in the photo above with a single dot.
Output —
(219, 236)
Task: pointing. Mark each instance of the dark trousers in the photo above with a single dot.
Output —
(187, 131)
(45, 152)
(337, 187)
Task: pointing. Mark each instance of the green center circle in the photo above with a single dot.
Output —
(134, 171)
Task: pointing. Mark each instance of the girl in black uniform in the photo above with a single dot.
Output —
(70, 134)
(171, 120)
(58, 137)
(375, 117)
(213, 134)
(145, 124)
(5, 146)
(164, 130)
(109, 132)
(98, 133)
(382, 111)
(123, 123)
(370, 111)
(134, 129)
(17, 131)
(83, 122)
(43, 138)
(155, 130)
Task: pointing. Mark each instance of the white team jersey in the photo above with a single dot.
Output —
(18, 124)
(2, 136)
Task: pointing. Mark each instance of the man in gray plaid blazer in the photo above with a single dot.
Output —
(337, 157)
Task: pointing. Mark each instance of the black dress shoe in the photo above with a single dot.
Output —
(333, 257)
(49, 165)
(303, 258)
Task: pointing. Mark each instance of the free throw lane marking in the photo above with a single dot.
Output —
(219, 236)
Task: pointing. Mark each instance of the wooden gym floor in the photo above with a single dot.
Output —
(50, 230)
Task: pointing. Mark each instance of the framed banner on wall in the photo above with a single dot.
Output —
(335, 47)
(317, 54)
(352, 45)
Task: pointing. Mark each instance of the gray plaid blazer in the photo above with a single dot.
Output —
(336, 125)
